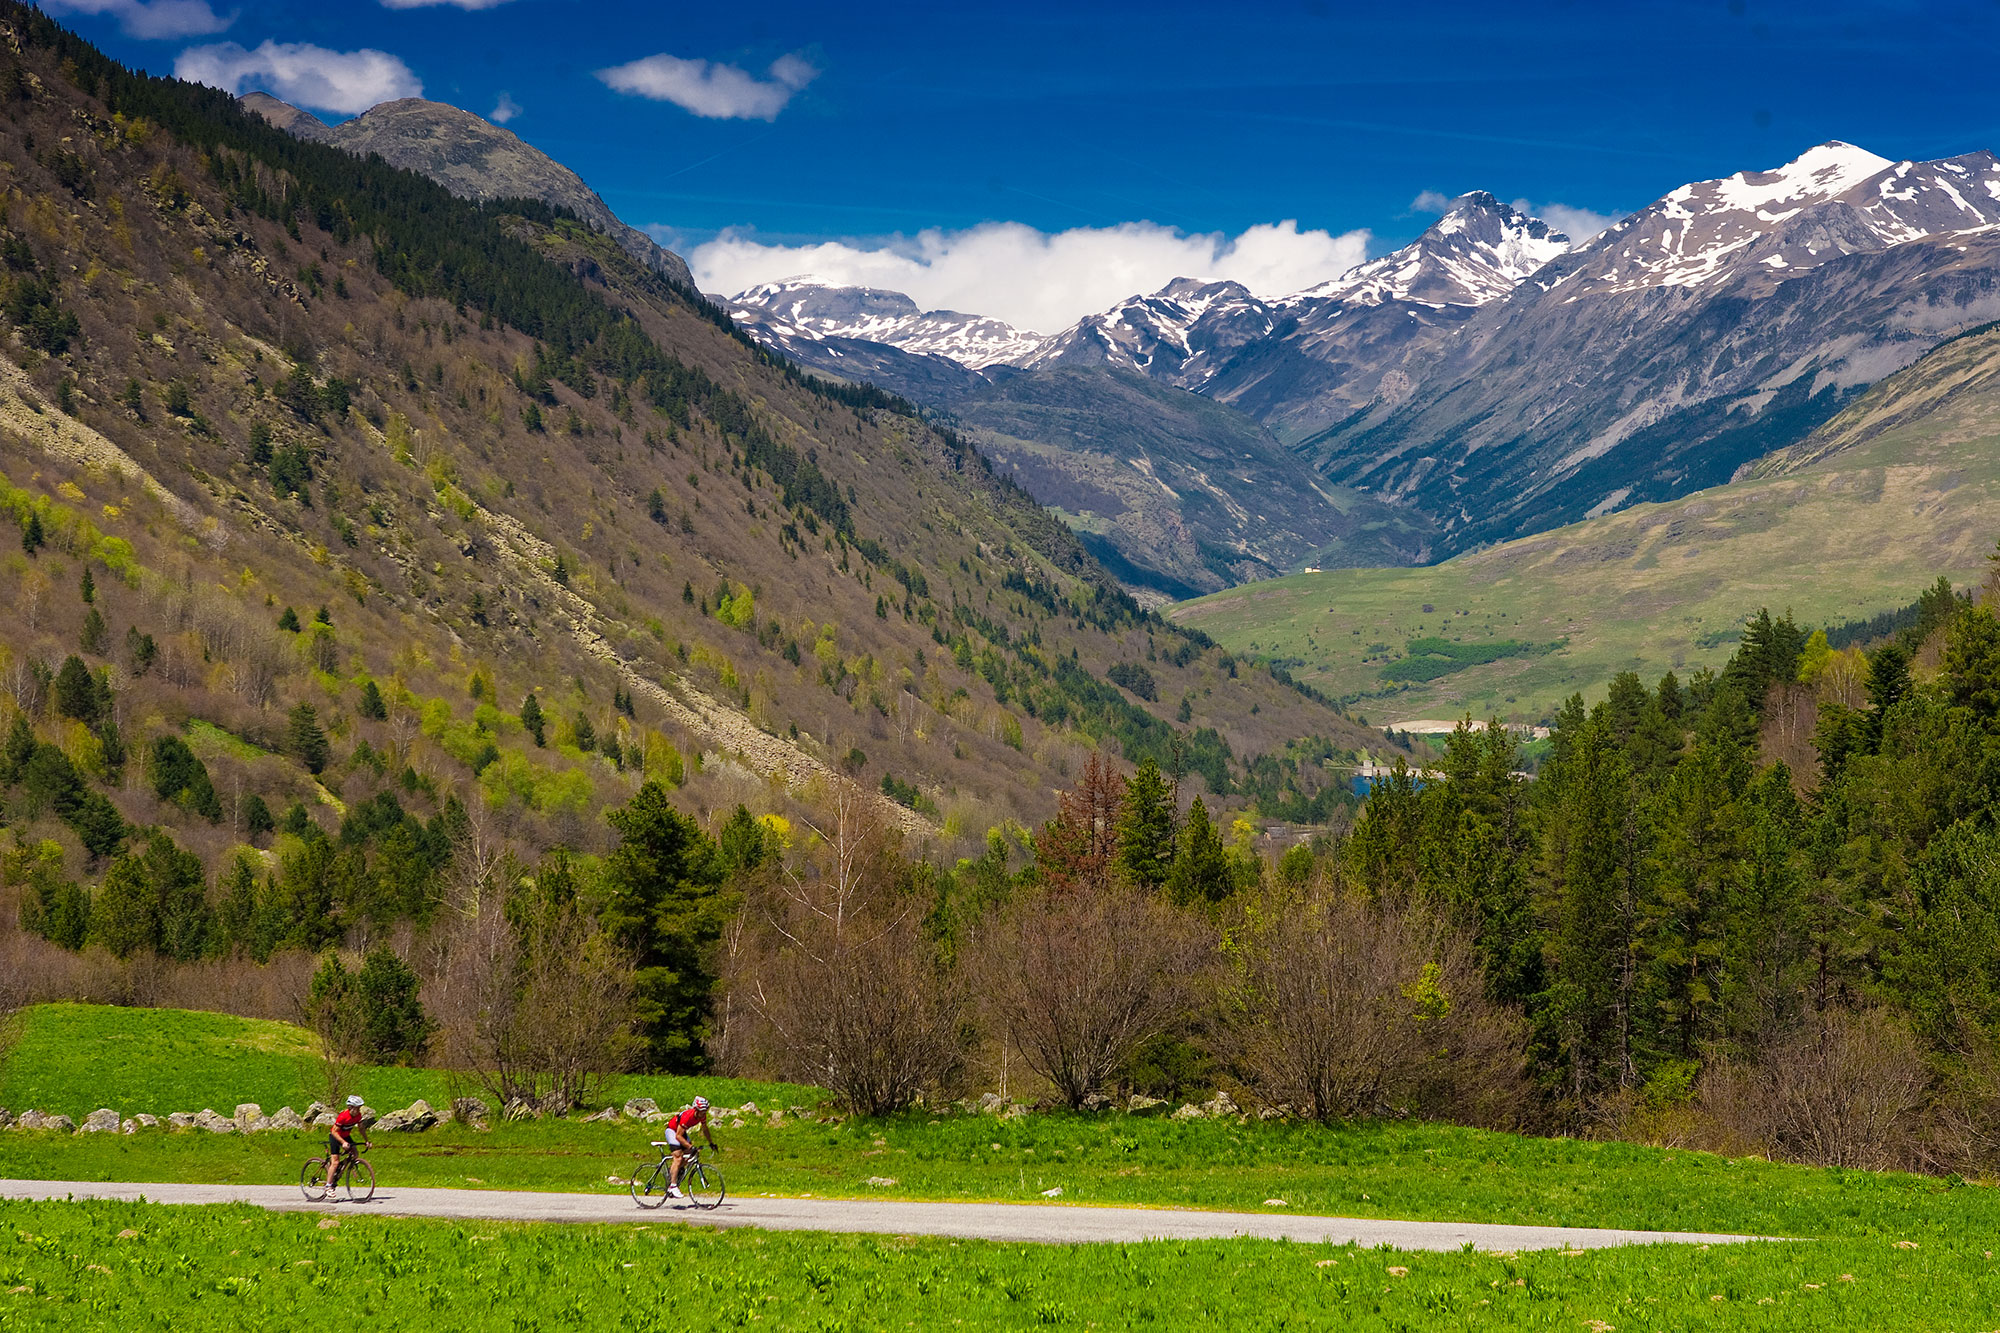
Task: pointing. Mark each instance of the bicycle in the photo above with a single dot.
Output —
(700, 1182)
(356, 1177)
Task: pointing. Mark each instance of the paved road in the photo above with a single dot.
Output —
(1044, 1223)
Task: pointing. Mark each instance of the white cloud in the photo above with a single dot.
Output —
(719, 92)
(347, 82)
(1038, 280)
(1579, 224)
(1430, 201)
(430, 4)
(504, 110)
(151, 20)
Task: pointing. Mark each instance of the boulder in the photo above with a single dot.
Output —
(316, 1110)
(609, 1115)
(414, 1118)
(287, 1118)
(324, 1120)
(129, 1127)
(469, 1108)
(181, 1120)
(147, 1121)
(246, 1115)
(1189, 1111)
(992, 1103)
(261, 1125)
(654, 1117)
(1055, 1193)
(748, 1108)
(641, 1106)
(1221, 1104)
(519, 1108)
(1139, 1103)
(207, 1119)
(5, 1119)
(29, 1119)
(103, 1120)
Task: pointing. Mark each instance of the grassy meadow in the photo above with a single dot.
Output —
(1652, 588)
(1868, 1250)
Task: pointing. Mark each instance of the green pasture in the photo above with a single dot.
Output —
(74, 1058)
(1652, 588)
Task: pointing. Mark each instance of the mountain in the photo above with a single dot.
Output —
(1176, 494)
(474, 159)
(1901, 485)
(1727, 319)
(381, 466)
(870, 314)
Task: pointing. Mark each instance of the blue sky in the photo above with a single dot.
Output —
(866, 126)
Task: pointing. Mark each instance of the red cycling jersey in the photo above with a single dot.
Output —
(347, 1121)
(685, 1120)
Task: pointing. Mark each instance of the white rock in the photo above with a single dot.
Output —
(102, 1120)
(1055, 1193)
(641, 1106)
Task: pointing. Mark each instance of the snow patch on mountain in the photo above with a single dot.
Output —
(803, 308)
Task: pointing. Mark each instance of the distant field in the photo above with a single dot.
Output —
(74, 1058)
(1650, 589)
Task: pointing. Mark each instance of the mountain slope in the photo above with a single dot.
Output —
(1727, 319)
(1178, 494)
(474, 159)
(870, 314)
(325, 435)
(1858, 518)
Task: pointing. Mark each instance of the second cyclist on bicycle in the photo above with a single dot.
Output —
(680, 1137)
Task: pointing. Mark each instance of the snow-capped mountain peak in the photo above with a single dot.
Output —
(1478, 251)
(1830, 201)
(803, 308)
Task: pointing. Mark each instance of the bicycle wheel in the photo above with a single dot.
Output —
(702, 1184)
(312, 1179)
(649, 1185)
(358, 1180)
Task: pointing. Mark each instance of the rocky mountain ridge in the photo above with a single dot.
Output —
(474, 159)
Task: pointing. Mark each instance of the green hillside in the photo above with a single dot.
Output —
(1902, 486)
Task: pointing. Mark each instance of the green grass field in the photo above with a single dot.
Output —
(74, 1058)
(136, 1267)
(1650, 589)
(1914, 1250)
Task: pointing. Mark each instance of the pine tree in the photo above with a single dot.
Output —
(372, 705)
(94, 633)
(665, 903)
(1146, 828)
(1201, 872)
(32, 537)
(288, 620)
(87, 587)
(304, 740)
(76, 691)
(532, 721)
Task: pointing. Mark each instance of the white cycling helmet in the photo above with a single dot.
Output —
(354, 1100)
(701, 1103)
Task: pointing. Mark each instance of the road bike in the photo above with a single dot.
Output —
(700, 1181)
(357, 1178)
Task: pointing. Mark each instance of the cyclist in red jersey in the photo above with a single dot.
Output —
(341, 1138)
(680, 1134)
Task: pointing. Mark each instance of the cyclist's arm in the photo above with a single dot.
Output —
(707, 1132)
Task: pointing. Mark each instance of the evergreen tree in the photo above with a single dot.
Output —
(372, 705)
(87, 587)
(289, 620)
(532, 721)
(304, 740)
(1146, 828)
(665, 902)
(1201, 873)
(94, 633)
(394, 1029)
(1888, 682)
(76, 691)
(257, 820)
(32, 537)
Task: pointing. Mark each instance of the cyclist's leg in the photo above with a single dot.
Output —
(335, 1159)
